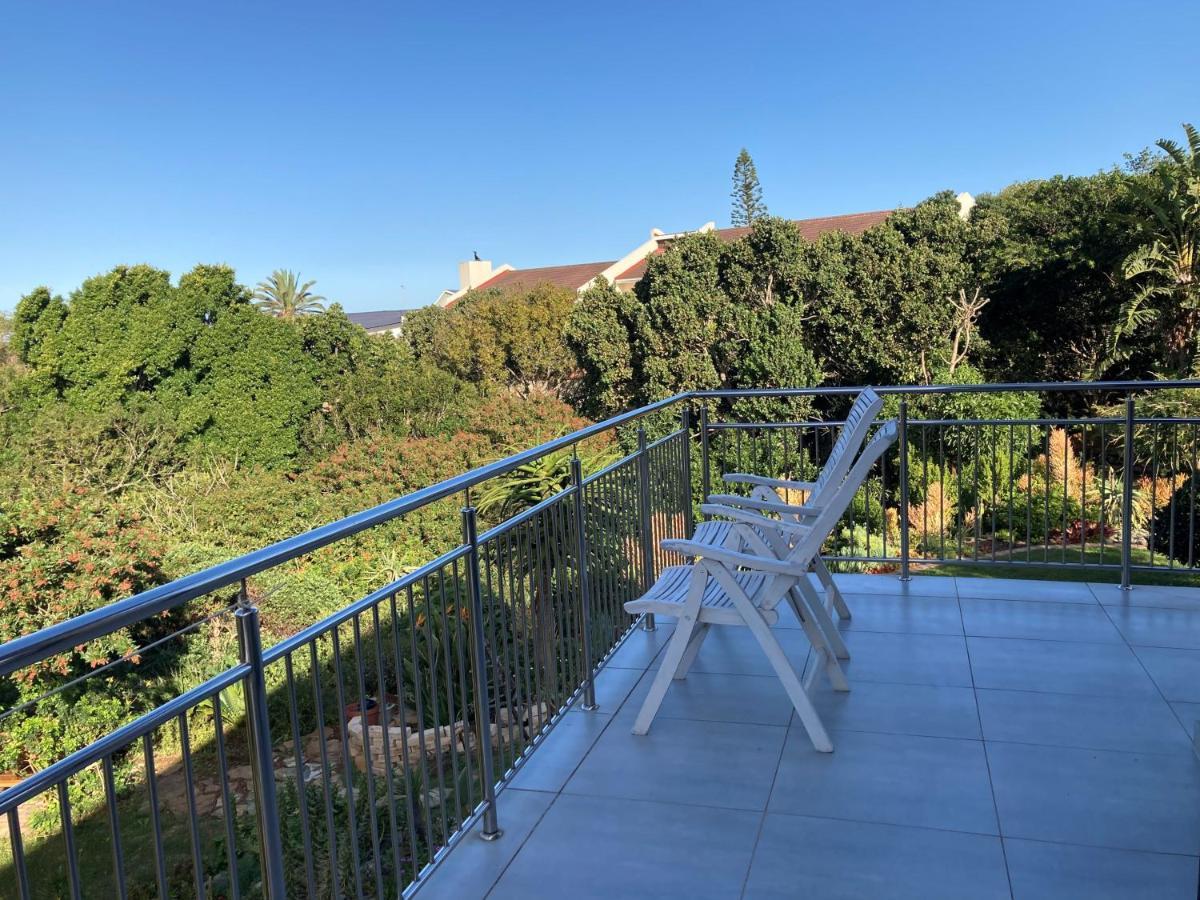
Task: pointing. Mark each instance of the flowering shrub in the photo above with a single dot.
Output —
(63, 557)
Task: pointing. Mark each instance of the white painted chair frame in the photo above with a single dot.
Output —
(717, 593)
(765, 498)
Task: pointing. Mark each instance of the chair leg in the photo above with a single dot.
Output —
(833, 637)
(662, 680)
(831, 589)
(821, 647)
(791, 683)
(693, 648)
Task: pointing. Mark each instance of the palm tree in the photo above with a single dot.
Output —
(283, 296)
(1167, 268)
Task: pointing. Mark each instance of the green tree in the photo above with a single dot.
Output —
(748, 204)
(880, 303)
(601, 333)
(507, 339)
(1047, 255)
(706, 315)
(1166, 268)
(282, 295)
(38, 315)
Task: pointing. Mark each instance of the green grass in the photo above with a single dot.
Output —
(1076, 567)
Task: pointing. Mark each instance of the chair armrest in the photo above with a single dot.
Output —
(787, 509)
(753, 519)
(762, 480)
(734, 558)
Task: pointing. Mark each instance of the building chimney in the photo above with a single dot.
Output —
(473, 272)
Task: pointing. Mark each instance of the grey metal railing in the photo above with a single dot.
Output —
(347, 759)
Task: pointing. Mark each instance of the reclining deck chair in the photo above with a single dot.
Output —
(770, 536)
(729, 587)
(766, 497)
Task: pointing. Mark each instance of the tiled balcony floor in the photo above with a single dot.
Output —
(1001, 738)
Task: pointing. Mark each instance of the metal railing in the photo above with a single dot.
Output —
(348, 758)
(1101, 492)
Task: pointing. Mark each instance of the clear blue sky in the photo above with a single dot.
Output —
(372, 145)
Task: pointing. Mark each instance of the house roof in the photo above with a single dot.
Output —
(572, 276)
(810, 230)
(384, 318)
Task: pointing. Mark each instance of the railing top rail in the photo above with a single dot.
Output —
(1004, 387)
(33, 648)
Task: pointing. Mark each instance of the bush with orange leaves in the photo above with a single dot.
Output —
(932, 518)
(1059, 486)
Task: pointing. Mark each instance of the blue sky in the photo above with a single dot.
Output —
(372, 146)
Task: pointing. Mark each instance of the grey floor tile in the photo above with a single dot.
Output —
(640, 648)
(682, 761)
(561, 752)
(853, 860)
(603, 847)
(895, 613)
(1189, 718)
(1099, 798)
(1038, 620)
(890, 778)
(613, 685)
(1156, 627)
(1058, 667)
(918, 586)
(1133, 724)
(746, 699)
(921, 709)
(1024, 589)
(733, 650)
(907, 658)
(473, 866)
(1044, 871)
(1176, 672)
(1147, 595)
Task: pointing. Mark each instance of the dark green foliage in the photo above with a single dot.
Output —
(1049, 254)
(880, 303)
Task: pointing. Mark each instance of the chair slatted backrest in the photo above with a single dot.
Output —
(858, 422)
(835, 506)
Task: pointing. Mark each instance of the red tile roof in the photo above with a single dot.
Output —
(810, 230)
(573, 276)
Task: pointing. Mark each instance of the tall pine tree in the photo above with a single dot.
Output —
(747, 193)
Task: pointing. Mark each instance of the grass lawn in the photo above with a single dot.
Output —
(1076, 567)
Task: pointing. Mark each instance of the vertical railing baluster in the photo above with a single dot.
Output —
(483, 731)
(262, 765)
(114, 826)
(685, 424)
(585, 592)
(705, 474)
(903, 445)
(17, 848)
(1127, 501)
(646, 536)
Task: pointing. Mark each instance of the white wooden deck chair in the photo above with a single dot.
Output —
(765, 498)
(729, 587)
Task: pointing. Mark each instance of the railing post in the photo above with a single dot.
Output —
(705, 477)
(585, 592)
(483, 724)
(689, 514)
(647, 535)
(1127, 501)
(262, 761)
(903, 445)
